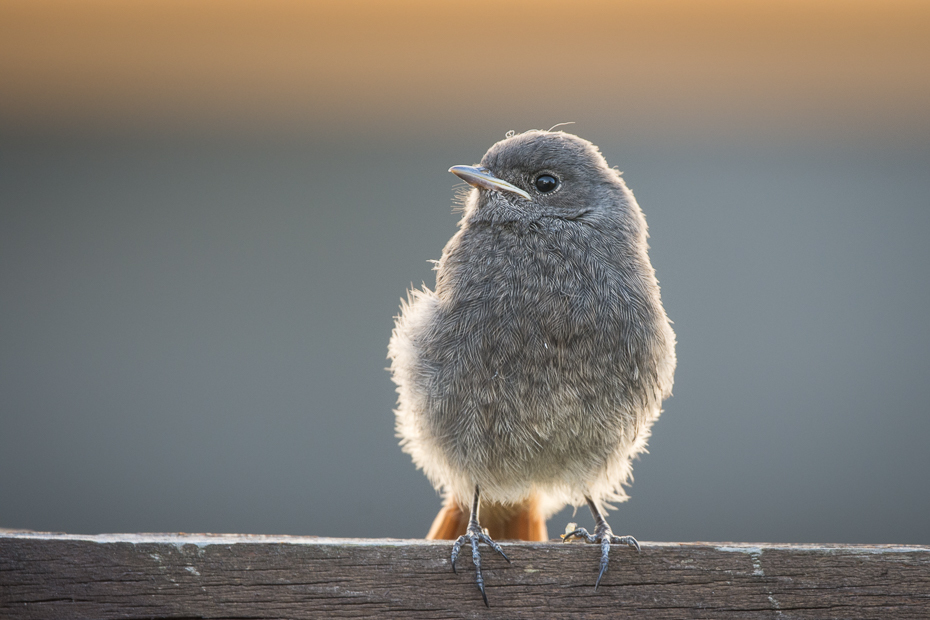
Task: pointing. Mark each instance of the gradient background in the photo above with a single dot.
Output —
(209, 211)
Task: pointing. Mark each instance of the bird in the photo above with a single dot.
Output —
(530, 376)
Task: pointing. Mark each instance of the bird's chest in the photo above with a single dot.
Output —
(535, 313)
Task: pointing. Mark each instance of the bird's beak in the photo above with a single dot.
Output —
(479, 177)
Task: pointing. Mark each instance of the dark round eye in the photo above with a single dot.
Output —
(546, 183)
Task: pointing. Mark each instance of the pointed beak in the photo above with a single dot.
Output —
(479, 177)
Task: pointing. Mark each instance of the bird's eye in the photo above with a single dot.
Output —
(545, 183)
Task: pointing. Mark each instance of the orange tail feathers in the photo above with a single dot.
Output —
(517, 522)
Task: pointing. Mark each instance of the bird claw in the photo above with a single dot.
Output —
(473, 536)
(605, 537)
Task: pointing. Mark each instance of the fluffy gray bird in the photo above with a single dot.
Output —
(531, 376)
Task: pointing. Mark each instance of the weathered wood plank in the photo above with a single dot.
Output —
(53, 576)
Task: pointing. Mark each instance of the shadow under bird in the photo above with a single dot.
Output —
(531, 376)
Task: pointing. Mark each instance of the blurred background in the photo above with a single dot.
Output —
(210, 210)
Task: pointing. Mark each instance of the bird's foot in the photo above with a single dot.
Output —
(605, 537)
(473, 536)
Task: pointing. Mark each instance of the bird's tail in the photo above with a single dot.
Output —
(524, 521)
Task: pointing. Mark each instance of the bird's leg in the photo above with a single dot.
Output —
(602, 535)
(474, 535)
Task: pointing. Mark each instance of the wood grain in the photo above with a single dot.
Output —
(236, 576)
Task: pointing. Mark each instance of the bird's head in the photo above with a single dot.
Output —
(540, 174)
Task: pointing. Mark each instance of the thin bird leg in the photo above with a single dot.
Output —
(603, 536)
(474, 535)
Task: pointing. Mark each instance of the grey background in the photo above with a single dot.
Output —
(193, 331)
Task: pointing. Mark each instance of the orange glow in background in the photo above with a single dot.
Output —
(671, 66)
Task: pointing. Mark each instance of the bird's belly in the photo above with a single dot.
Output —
(545, 413)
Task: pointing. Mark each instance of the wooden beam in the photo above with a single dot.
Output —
(51, 576)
